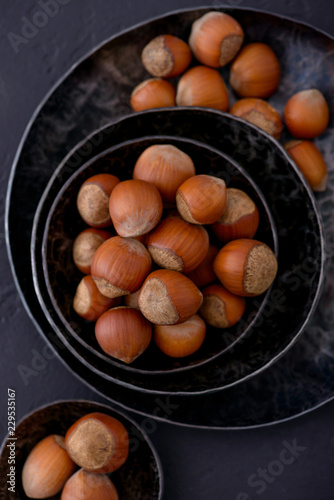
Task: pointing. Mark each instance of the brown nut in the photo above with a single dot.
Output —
(178, 341)
(120, 266)
(153, 93)
(203, 274)
(85, 245)
(89, 303)
(306, 114)
(123, 333)
(215, 39)
(93, 199)
(135, 207)
(85, 485)
(260, 113)
(202, 86)
(167, 297)
(310, 162)
(177, 245)
(98, 443)
(201, 199)
(166, 56)
(240, 219)
(255, 72)
(47, 468)
(246, 267)
(166, 167)
(221, 308)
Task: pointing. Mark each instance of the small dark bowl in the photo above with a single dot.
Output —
(63, 224)
(285, 312)
(140, 478)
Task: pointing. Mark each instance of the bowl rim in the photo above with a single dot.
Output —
(64, 402)
(71, 179)
(311, 197)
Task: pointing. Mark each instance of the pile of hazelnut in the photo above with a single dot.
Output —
(216, 39)
(179, 297)
(97, 443)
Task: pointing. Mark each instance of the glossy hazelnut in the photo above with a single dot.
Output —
(255, 72)
(85, 246)
(246, 267)
(306, 114)
(240, 219)
(47, 468)
(221, 308)
(135, 207)
(85, 485)
(166, 167)
(168, 297)
(178, 341)
(98, 443)
(120, 266)
(89, 303)
(201, 199)
(93, 199)
(202, 86)
(123, 333)
(166, 56)
(215, 39)
(310, 162)
(260, 113)
(203, 274)
(153, 93)
(177, 245)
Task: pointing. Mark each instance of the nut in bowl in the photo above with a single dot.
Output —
(173, 244)
(299, 240)
(56, 455)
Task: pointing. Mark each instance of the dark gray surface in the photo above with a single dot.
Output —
(198, 464)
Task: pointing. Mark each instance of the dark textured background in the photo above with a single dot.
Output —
(198, 464)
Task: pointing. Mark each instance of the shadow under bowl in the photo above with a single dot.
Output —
(140, 478)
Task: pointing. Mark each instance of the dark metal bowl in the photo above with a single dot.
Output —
(284, 314)
(57, 223)
(95, 91)
(140, 478)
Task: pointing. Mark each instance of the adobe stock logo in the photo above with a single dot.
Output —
(31, 27)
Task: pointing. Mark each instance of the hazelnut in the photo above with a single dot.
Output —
(255, 72)
(166, 56)
(201, 199)
(167, 297)
(85, 245)
(260, 113)
(98, 443)
(310, 162)
(166, 167)
(202, 86)
(246, 267)
(306, 114)
(221, 308)
(240, 219)
(135, 207)
(153, 93)
(178, 341)
(93, 199)
(47, 468)
(123, 333)
(120, 266)
(175, 244)
(89, 303)
(215, 39)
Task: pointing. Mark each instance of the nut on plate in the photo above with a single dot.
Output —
(166, 56)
